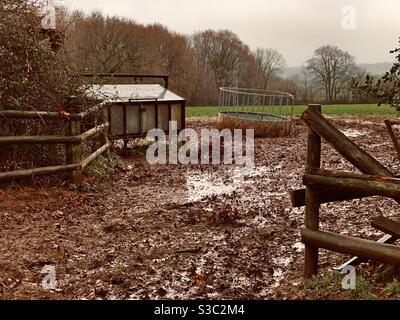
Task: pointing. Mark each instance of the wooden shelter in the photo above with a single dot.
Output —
(135, 109)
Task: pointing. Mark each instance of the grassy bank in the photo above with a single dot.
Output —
(342, 109)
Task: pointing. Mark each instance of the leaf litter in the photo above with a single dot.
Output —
(181, 232)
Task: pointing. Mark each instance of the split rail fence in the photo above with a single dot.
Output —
(72, 139)
(324, 186)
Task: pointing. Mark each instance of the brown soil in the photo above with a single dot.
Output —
(148, 232)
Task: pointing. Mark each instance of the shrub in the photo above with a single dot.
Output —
(34, 75)
(386, 89)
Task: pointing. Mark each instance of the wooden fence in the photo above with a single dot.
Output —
(72, 139)
(389, 125)
(323, 186)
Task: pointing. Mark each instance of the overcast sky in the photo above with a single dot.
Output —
(293, 27)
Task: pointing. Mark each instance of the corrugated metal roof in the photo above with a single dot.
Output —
(133, 92)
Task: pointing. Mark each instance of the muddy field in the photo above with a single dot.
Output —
(182, 232)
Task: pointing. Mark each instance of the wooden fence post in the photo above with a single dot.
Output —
(312, 200)
(104, 135)
(353, 153)
(396, 145)
(73, 153)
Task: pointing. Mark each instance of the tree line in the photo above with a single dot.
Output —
(198, 64)
(39, 68)
(201, 63)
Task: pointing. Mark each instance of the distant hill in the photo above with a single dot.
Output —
(292, 72)
(376, 69)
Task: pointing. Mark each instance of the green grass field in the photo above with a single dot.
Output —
(343, 109)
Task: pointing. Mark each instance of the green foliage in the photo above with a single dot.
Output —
(393, 289)
(386, 89)
(363, 289)
(33, 75)
(102, 167)
(330, 284)
(141, 145)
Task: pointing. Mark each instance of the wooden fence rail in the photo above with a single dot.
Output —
(14, 114)
(323, 186)
(41, 115)
(19, 174)
(72, 140)
(351, 245)
(348, 182)
(78, 139)
(346, 147)
(40, 140)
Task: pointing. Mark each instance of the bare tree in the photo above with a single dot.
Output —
(198, 65)
(171, 53)
(221, 52)
(331, 68)
(104, 44)
(269, 64)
